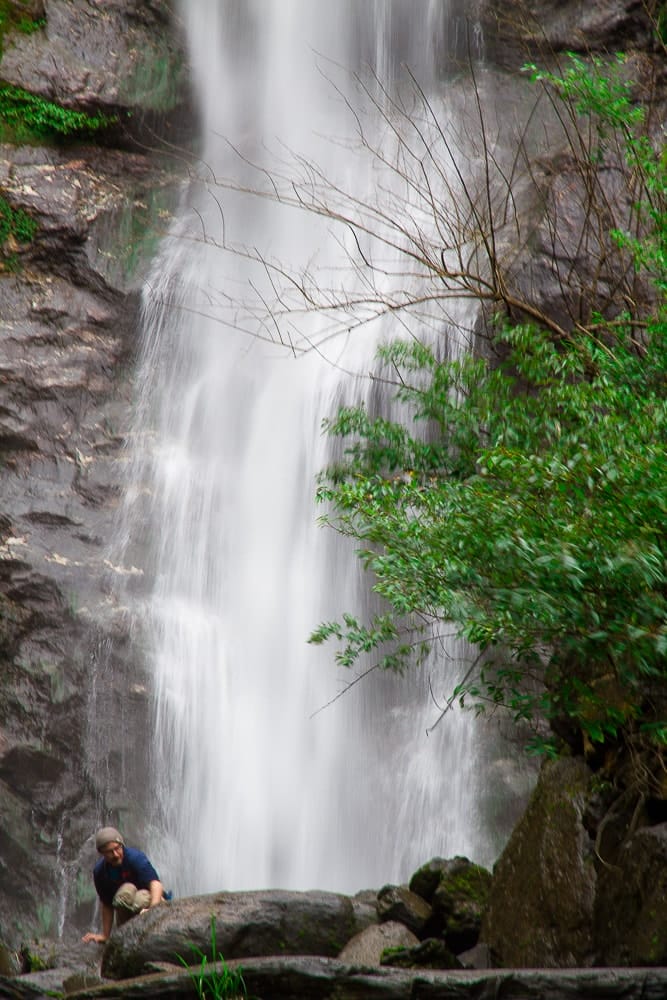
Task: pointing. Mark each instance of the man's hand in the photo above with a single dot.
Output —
(97, 938)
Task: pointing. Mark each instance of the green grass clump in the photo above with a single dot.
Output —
(214, 983)
(25, 118)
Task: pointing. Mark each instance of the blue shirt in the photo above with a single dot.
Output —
(136, 868)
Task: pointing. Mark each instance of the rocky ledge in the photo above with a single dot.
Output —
(316, 978)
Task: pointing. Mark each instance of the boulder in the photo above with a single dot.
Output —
(432, 953)
(426, 879)
(246, 924)
(631, 904)
(478, 957)
(542, 897)
(459, 903)
(366, 947)
(397, 902)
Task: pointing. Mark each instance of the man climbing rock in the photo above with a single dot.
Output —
(125, 880)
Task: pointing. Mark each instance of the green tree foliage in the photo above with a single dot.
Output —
(526, 502)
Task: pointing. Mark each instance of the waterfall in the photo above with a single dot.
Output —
(266, 773)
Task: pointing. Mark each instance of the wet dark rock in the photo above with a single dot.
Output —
(17, 989)
(35, 769)
(426, 879)
(78, 981)
(99, 216)
(50, 966)
(397, 902)
(578, 884)
(459, 903)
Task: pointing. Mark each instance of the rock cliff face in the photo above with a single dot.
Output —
(73, 704)
(520, 28)
(69, 304)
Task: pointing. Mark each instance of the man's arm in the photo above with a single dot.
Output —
(107, 924)
(156, 890)
(145, 875)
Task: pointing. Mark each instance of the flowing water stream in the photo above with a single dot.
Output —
(262, 776)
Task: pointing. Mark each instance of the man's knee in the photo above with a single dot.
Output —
(130, 899)
(125, 897)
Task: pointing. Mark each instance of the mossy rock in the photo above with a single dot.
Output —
(429, 954)
(38, 956)
(426, 879)
(540, 911)
(459, 903)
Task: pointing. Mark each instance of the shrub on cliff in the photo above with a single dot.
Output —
(526, 501)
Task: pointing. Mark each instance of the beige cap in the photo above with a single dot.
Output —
(107, 835)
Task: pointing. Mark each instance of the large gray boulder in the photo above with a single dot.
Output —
(246, 924)
(578, 883)
(542, 897)
(366, 947)
(631, 905)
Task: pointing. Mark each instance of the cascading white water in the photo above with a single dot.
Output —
(254, 786)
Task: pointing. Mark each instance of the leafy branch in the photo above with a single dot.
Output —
(525, 500)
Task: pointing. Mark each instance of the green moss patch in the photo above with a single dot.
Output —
(16, 227)
(26, 118)
(15, 18)
(15, 223)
